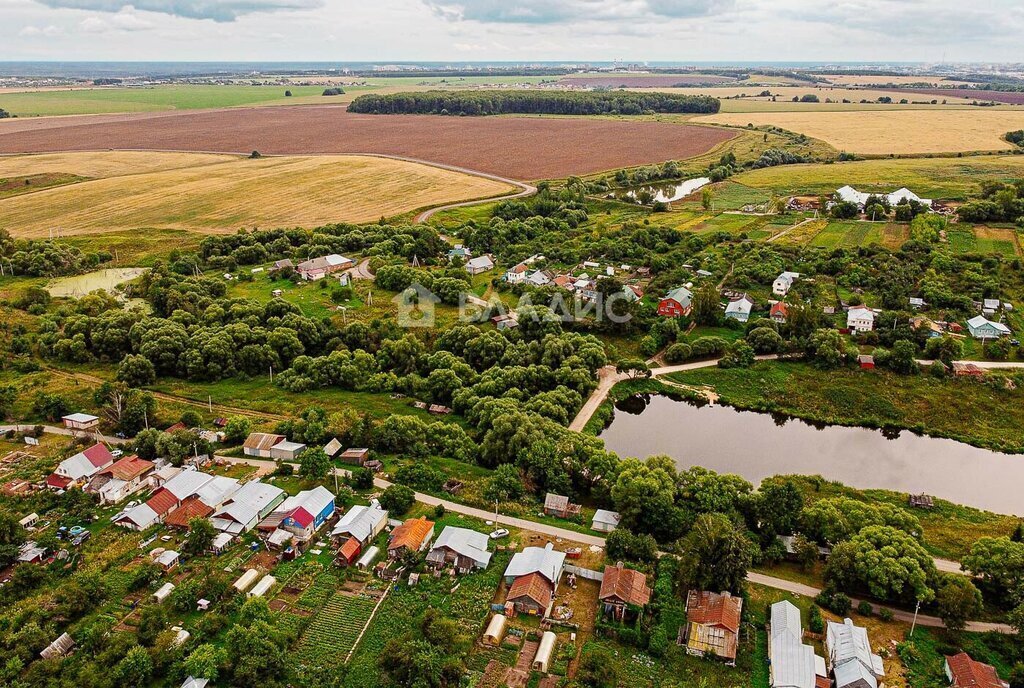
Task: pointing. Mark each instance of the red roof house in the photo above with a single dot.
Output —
(712, 624)
(778, 312)
(964, 672)
(348, 551)
(531, 594)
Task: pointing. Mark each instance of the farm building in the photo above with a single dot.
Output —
(475, 266)
(712, 624)
(784, 282)
(220, 542)
(366, 561)
(124, 477)
(29, 521)
(245, 580)
(332, 448)
(545, 651)
(363, 523)
(74, 470)
(532, 577)
(318, 268)
(356, 456)
(258, 444)
(964, 672)
(412, 536)
(465, 549)
(605, 521)
(287, 451)
(981, 327)
(58, 648)
(964, 369)
(560, 506)
(860, 198)
(261, 588)
(304, 513)
(866, 361)
(348, 551)
(162, 593)
(778, 312)
(80, 421)
(739, 309)
(623, 590)
(677, 303)
(792, 664)
(849, 653)
(30, 553)
(860, 319)
(495, 630)
(539, 278)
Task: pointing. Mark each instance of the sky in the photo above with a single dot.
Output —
(513, 30)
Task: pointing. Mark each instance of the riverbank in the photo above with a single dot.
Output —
(965, 410)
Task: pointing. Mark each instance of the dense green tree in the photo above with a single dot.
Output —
(200, 536)
(505, 484)
(716, 555)
(886, 562)
(957, 601)
(397, 500)
(999, 562)
(314, 463)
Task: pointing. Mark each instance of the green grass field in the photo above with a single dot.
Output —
(952, 178)
(728, 222)
(850, 234)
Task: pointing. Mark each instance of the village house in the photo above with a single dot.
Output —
(465, 549)
(739, 309)
(246, 507)
(964, 672)
(332, 448)
(124, 477)
(778, 312)
(282, 264)
(860, 319)
(75, 470)
(539, 278)
(633, 293)
(990, 306)
(560, 506)
(459, 252)
(190, 508)
(916, 302)
(982, 328)
(412, 536)
(360, 523)
(623, 591)
(318, 268)
(304, 514)
(516, 274)
(165, 500)
(712, 625)
(605, 521)
(784, 282)
(258, 444)
(81, 421)
(866, 361)
(849, 653)
(532, 577)
(475, 266)
(792, 664)
(676, 304)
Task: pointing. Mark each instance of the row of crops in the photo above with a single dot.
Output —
(331, 635)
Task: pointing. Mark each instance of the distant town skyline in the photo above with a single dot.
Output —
(526, 30)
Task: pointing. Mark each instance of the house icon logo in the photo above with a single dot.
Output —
(415, 306)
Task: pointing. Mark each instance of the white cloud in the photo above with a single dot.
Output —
(217, 10)
(573, 11)
(126, 21)
(48, 31)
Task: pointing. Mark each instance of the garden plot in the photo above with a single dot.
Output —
(333, 633)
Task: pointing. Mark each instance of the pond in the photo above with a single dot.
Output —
(80, 285)
(758, 445)
(665, 193)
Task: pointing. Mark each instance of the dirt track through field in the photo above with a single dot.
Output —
(523, 148)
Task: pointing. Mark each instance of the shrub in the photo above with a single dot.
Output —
(815, 621)
(864, 608)
(885, 614)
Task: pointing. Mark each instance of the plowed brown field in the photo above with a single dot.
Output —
(515, 147)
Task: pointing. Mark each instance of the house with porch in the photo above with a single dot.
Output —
(624, 592)
(76, 470)
(676, 304)
(465, 549)
(712, 625)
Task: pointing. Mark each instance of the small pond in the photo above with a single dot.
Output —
(80, 285)
(665, 193)
(758, 445)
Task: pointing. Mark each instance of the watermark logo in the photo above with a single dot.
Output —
(416, 306)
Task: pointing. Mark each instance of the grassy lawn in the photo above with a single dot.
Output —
(985, 416)
(924, 654)
(730, 195)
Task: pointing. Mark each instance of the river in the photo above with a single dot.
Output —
(758, 445)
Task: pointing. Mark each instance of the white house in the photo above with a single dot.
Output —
(475, 266)
(739, 309)
(318, 268)
(981, 327)
(849, 653)
(516, 274)
(784, 282)
(860, 319)
(792, 664)
(605, 521)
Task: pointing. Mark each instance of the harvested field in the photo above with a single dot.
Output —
(875, 80)
(648, 81)
(234, 192)
(892, 131)
(515, 147)
(940, 178)
(101, 164)
(1010, 97)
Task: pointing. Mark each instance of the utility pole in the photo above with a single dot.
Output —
(209, 402)
(271, 374)
(914, 624)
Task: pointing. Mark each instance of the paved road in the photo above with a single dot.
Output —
(59, 430)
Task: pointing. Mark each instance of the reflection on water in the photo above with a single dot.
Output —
(758, 445)
(664, 193)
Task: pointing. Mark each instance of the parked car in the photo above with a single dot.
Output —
(499, 533)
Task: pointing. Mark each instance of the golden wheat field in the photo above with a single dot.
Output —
(892, 131)
(213, 193)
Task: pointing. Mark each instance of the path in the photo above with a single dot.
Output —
(524, 189)
(361, 271)
(787, 230)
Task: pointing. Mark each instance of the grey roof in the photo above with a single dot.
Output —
(849, 645)
(680, 295)
(286, 445)
(612, 518)
(142, 515)
(332, 447)
(186, 483)
(792, 663)
(543, 560)
(786, 619)
(360, 522)
(257, 494)
(480, 262)
(466, 542)
(314, 501)
(742, 305)
(217, 491)
(555, 501)
(853, 674)
(192, 682)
